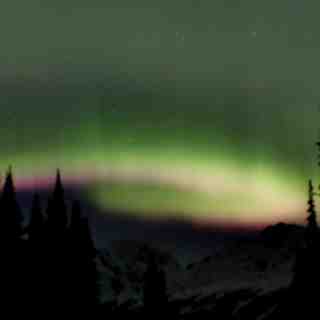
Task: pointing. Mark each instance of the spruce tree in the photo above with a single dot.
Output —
(312, 225)
(318, 145)
(37, 262)
(83, 270)
(57, 209)
(306, 278)
(302, 300)
(10, 211)
(12, 267)
(56, 256)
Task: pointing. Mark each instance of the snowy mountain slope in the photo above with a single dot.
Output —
(245, 277)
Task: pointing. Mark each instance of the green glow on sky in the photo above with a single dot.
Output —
(165, 182)
(209, 108)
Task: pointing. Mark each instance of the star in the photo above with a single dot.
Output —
(179, 35)
(253, 34)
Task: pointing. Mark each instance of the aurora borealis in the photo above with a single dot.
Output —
(206, 111)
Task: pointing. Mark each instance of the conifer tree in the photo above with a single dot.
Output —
(56, 257)
(318, 145)
(312, 225)
(57, 209)
(301, 300)
(306, 268)
(12, 246)
(37, 267)
(10, 210)
(84, 273)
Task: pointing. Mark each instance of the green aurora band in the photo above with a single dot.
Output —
(199, 110)
(202, 165)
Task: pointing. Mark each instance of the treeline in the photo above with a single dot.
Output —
(49, 266)
(50, 263)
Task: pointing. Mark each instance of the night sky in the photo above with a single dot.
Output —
(203, 110)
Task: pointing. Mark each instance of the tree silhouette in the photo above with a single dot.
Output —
(11, 214)
(12, 246)
(302, 300)
(83, 271)
(306, 280)
(36, 265)
(312, 225)
(57, 209)
(318, 156)
(56, 256)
